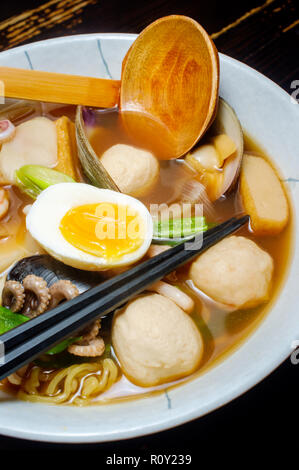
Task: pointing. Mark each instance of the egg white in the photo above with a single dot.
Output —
(44, 217)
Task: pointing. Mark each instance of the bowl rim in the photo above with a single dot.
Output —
(177, 419)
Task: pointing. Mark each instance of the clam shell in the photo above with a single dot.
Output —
(17, 111)
(227, 122)
(92, 167)
(52, 271)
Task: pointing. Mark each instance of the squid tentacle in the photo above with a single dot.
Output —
(36, 303)
(13, 296)
(94, 348)
(62, 290)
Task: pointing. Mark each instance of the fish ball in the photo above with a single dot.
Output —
(155, 341)
(235, 272)
(135, 171)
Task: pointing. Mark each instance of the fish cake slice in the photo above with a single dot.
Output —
(67, 157)
(263, 196)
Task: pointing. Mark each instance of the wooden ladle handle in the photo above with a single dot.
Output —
(58, 88)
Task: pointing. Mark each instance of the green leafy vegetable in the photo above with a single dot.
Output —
(107, 352)
(59, 361)
(174, 231)
(33, 179)
(10, 320)
(63, 345)
(65, 359)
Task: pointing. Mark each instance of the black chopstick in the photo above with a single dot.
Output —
(98, 301)
(34, 326)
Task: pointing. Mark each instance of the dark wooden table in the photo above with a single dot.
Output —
(264, 35)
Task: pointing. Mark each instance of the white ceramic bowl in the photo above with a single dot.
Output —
(267, 113)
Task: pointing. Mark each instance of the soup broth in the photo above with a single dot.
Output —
(222, 329)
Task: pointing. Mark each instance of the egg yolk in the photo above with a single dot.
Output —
(104, 229)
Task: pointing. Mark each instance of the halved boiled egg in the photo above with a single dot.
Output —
(90, 228)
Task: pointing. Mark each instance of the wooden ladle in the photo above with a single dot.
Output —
(168, 90)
